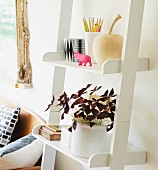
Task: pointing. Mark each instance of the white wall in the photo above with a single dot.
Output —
(43, 28)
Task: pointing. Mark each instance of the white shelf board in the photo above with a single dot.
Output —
(108, 67)
(134, 155)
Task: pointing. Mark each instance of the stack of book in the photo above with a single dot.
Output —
(51, 132)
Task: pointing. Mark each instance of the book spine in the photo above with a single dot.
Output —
(48, 130)
(55, 136)
(51, 129)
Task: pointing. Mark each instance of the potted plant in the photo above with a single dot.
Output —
(90, 111)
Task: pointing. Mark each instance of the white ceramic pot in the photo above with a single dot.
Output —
(89, 38)
(87, 141)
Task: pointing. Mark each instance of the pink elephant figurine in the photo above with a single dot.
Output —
(82, 58)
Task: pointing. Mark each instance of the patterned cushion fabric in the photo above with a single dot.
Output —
(8, 120)
(26, 156)
(16, 145)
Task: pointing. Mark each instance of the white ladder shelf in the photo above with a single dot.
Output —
(134, 154)
(128, 66)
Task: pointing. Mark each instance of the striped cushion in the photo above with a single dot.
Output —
(8, 120)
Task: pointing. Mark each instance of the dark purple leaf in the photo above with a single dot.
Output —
(94, 99)
(74, 125)
(110, 104)
(105, 107)
(83, 90)
(100, 106)
(93, 105)
(78, 101)
(103, 99)
(66, 99)
(113, 101)
(102, 115)
(111, 116)
(53, 100)
(50, 104)
(95, 111)
(87, 109)
(82, 115)
(95, 89)
(106, 93)
(92, 91)
(82, 105)
(62, 116)
(66, 108)
(76, 114)
(99, 87)
(113, 108)
(91, 117)
(70, 129)
(63, 100)
(88, 85)
(109, 127)
(62, 96)
(87, 101)
(111, 92)
(48, 107)
(92, 124)
(74, 96)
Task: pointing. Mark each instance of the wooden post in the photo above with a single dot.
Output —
(24, 73)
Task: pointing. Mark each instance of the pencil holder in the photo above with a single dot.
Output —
(89, 38)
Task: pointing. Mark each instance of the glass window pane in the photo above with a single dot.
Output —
(8, 52)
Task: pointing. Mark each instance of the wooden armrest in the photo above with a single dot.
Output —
(31, 168)
(27, 120)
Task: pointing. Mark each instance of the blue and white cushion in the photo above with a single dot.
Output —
(8, 120)
(22, 153)
(16, 145)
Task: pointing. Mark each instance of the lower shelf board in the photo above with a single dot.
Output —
(134, 155)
